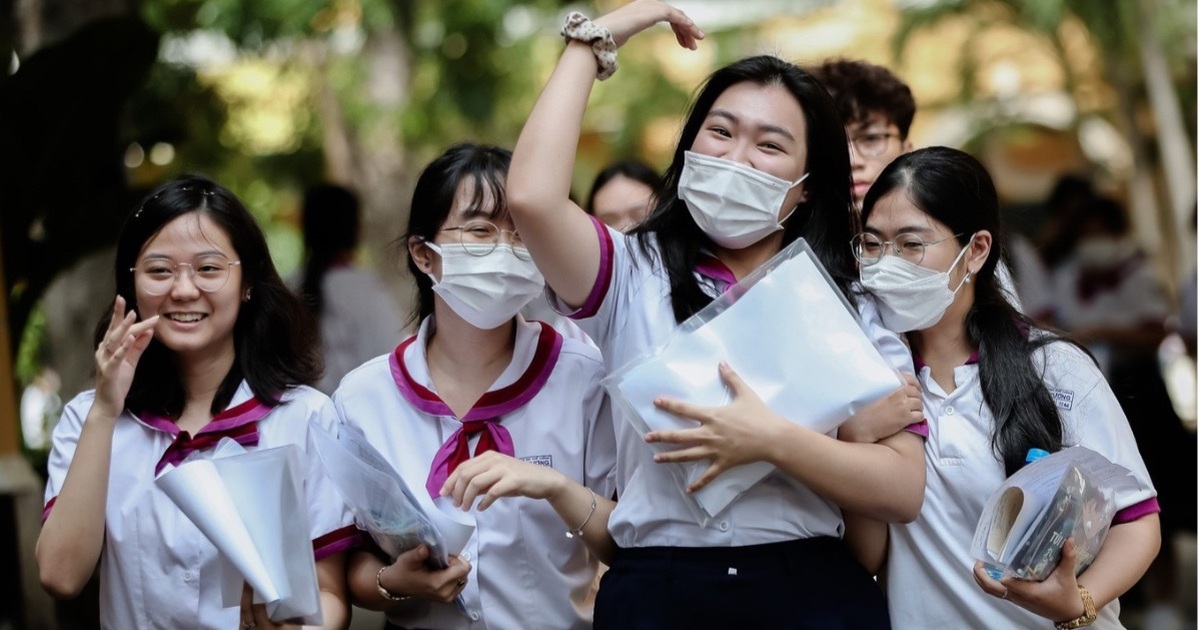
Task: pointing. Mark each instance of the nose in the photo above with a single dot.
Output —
(739, 153)
(183, 286)
(856, 160)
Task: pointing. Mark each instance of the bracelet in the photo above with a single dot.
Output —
(604, 47)
(1084, 620)
(578, 531)
(388, 595)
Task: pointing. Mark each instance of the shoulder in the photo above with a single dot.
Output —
(75, 411)
(365, 377)
(1065, 367)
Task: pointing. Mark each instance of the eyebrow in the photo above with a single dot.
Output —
(158, 256)
(910, 229)
(766, 127)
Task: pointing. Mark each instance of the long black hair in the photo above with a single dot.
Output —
(274, 336)
(824, 220)
(486, 166)
(955, 189)
(635, 170)
(330, 218)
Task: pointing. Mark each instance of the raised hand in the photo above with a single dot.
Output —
(741, 432)
(118, 354)
(639, 15)
(494, 475)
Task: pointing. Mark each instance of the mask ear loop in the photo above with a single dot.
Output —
(966, 276)
(795, 207)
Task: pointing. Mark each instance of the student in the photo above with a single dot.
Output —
(928, 252)
(622, 194)
(481, 403)
(766, 129)
(357, 316)
(877, 109)
(204, 341)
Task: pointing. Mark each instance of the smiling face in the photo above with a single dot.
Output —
(193, 322)
(760, 126)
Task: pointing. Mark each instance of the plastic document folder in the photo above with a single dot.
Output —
(790, 334)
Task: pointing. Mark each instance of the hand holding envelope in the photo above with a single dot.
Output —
(796, 351)
(250, 506)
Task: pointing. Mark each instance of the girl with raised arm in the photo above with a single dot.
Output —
(762, 160)
(994, 386)
(203, 342)
(481, 404)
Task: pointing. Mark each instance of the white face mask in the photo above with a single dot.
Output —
(911, 297)
(735, 205)
(486, 290)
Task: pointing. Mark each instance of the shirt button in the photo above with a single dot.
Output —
(466, 555)
(724, 526)
(187, 576)
(474, 615)
(949, 411)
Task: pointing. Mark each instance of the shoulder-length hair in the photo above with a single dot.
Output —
(825, 219)
(955, 189)
(275, 337)
(486, 167)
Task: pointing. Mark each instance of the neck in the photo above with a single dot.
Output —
(456, 347)
(744, 261)
(202, 375)
(945, 345)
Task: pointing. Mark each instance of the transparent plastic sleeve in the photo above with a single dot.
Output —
(382, 503)
(1071, 493)
(790, 334)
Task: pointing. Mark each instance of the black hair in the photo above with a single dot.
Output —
(824, 220)
(275, 337)
(955, 189)
(860, 89)
(1065, 212)
(486, 166)
(630, 169)
(330, 220)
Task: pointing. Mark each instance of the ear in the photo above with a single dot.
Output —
(905, 146)
(978, 251)
(421, 255)
(246, 295)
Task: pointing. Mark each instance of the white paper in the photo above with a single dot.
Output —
(250, 506)
(791, 336)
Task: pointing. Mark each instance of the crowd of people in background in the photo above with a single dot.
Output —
(490, 398)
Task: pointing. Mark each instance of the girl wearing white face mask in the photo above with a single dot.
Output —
(485, 404)
(762, 161)
(994, 387)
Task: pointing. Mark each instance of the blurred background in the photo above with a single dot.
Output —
(103, 99)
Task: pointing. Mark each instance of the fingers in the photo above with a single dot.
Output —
(709, 474)
(732, 379)
(692, 454)
(675, 436)
(414, 558)
(681, 409)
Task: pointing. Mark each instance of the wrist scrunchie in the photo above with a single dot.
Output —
(579, 27)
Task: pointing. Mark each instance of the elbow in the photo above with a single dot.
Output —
(906, 510)
(58, 578)
(522, 200)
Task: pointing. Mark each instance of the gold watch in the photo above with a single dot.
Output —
(1088, 617)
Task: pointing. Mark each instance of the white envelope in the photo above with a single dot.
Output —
(791, 336)
(250, 505)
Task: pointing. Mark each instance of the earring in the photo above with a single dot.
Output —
(246, 298)
(967, 279)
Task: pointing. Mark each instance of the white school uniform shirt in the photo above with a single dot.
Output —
(627, 314)
(525, 572)
(929, 579)
(157, 570)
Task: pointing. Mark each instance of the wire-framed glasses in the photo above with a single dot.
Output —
(872, 144)
(870, 249)
(156, 276)
(475, 235)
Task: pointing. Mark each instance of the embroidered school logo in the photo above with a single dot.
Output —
(540, 460)
(1064, 398)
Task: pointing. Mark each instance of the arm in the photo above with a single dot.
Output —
(492, 475)
(1127, 552)
(408, 576)
(72, 537)
(884, 481)
(867, 540)
(559, 235)
(331, 580)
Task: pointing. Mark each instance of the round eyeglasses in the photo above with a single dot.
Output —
(157, 276)
(869, 249)
(872, 144)
(480, 238)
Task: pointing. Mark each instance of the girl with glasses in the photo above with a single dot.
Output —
(481, 404)
(204, 341)
(762, 160)
(995, 385)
